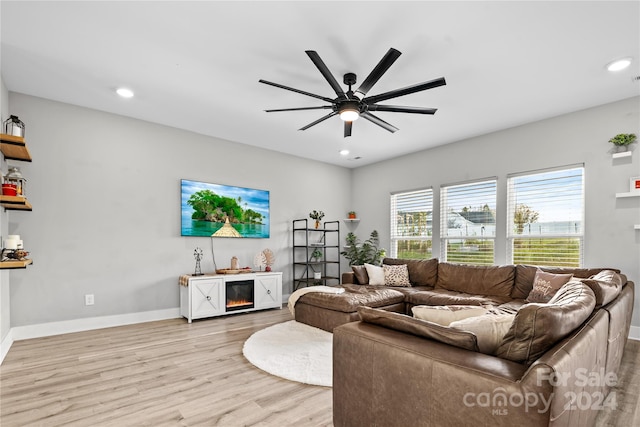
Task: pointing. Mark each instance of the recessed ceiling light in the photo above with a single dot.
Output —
(619, 64)
(344, 152)
(124, 92)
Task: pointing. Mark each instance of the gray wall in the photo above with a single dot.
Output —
(105, 191)
(580, 137)
(5, 302)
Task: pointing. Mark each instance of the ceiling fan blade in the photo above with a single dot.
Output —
(324, 107)
(378, 121)
(402, 109)
(296, 90)
(326, 73)
(347, 128)
(405, 91)
(321, 119)
(382, 67)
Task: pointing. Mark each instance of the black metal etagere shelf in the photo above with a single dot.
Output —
(306, 240)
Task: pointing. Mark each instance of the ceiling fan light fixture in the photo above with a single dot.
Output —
(349, 114)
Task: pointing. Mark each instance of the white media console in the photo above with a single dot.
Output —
(212, 295)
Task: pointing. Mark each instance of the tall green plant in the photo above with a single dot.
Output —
(367, 252)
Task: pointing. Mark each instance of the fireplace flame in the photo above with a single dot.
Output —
(239, 303)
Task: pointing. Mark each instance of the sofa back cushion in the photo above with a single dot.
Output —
(491, 280)
(421, 328)
(422, 272)
(606, 285)
(537, 327)
(526, 273)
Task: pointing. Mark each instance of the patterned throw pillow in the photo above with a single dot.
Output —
(396, 275)
(545, 286)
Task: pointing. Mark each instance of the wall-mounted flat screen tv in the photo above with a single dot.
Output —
(219, 210)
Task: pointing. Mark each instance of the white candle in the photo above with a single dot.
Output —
(11, 244)
(13, 237)
(20, 244)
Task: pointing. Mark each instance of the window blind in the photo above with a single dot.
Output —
(468, 222)
(411, 223)
(546, 217)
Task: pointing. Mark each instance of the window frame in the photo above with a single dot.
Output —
(396, 237)
(445, 238)
(512, 236)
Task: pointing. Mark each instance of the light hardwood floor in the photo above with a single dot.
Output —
(171, 373)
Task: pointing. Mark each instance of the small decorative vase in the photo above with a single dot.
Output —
(267, 268)
(317, 224)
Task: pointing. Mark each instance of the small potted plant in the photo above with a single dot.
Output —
(316, 255)
(622, 140)
(352, 215)
(317, 215)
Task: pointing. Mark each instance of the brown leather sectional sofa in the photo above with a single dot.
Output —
(556, 365)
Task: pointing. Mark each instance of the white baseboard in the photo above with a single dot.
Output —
(5, 345)
(634, 333)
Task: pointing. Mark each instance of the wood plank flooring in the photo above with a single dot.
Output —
(171, 373)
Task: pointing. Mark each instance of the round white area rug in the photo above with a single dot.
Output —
(294, 351)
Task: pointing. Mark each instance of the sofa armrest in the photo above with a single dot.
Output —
(386, 377)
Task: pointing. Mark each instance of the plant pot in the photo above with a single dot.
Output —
(352, 216)
(317, 275)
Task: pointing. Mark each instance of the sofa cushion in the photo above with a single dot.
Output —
(489, 329)
(606, 285)
(445, 314)
(375, 273)
(537, 327)
(421, 328)
(353, 297)
(445, 297)
(479, 280)
(545, 285)
(360, 271)
(396, 275)
(422, 272)
(525, 274)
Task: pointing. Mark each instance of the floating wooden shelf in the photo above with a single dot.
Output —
(18, 203)
(14, 148)
(622, 154)
(14, 263)
(628, 194)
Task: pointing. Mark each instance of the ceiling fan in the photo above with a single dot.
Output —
(351, 105)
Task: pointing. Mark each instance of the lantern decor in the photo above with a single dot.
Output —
(14, 126)
(13, 184)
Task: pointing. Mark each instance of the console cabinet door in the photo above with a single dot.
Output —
(207, 297)
(268, 290)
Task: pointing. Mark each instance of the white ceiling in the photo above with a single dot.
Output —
(196, 65)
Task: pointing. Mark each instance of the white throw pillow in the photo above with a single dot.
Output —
(445, 314)
(375, 273)
(490, 329)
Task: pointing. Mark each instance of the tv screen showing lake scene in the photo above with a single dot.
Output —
(218, 210)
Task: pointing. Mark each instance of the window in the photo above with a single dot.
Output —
(546, 217)
(468, 222)
(411, 224)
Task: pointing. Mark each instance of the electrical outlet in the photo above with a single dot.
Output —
(89, 300)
